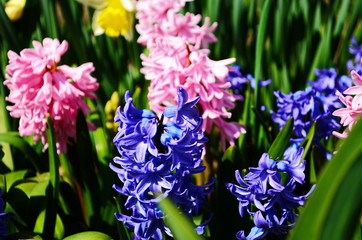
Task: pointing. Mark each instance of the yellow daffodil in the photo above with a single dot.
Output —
(110, 110)
(14, 9)
(112, 17)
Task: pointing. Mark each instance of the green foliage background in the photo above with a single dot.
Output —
(277, 39)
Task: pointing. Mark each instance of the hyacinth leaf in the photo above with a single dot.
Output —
(122, 229)
(212, 9)
(4, 127)
(235, 16)
(8, 31)
(99, 137)
(70, 11)
(181, 227)
(260, 45)
(52, 191)
(26, 235)
(281, 142)
(323, 52)
(12, 177)
(35, 186)
(1, 153)
(341, 17)
(90, 235)
(59, 226)
(337, 198)
(87, 160)
(50, 22)
(2, 180)
(307, 142)
(229, 154)
(13, 139)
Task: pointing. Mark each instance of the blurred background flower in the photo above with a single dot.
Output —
(112, 17)
(110, 109)
(14, 9)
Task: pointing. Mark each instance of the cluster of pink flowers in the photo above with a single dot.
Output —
(178, 57)
(38, 86)
(353, 110)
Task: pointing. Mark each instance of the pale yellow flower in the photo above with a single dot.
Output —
(14, 9)
(110, 109)
(112, 17)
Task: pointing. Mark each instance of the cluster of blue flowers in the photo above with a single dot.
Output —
(356, 62)
(158, 158)
(316, 103)
(238, 80)
(268, 197)
(3, 217)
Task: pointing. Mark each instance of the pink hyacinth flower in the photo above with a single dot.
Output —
(178, 57)
(38, 86)
(160, 19)
(171, 64)
(353, 110)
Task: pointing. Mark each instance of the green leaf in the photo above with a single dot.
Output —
(281, 142)
(7, 30)
(13, 139)
(87, 164)
(24, 236)
(260, 44)
(58, 228)
(334, 208)
(1, 153)
(229, 154)
(307, 142)
(12, 177)
(90, 235)
(48, 10)
(53, 157)
(341, 17)
(4, 127)
(35, 186)
(181, 227)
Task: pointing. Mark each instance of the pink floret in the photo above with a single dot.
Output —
(352, 112)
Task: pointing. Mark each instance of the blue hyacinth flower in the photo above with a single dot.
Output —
(158, 157)
(267, 197)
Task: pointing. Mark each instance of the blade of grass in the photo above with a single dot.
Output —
(181, 227)
(260, 38)
(48, 9)
(341, 17)
(4, 127)
(307, 142)
(281, 142)
(7, 31)
(337, 197)
(13, 139)
(88, 162)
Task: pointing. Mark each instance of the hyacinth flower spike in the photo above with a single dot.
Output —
(40, 86)
(158, 157)
(267, 198)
